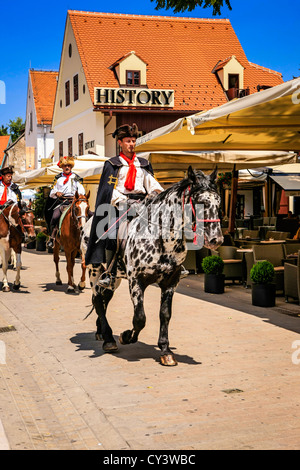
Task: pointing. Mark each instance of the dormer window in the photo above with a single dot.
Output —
(233, 80)
(133, 77)
(230, 73)
(130, 70)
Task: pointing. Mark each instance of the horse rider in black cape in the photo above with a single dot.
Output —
(125, 179)
(9, 191)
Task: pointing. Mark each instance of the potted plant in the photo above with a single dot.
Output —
(31, 245)
(41, 240)
(214, 278)
(263, 289)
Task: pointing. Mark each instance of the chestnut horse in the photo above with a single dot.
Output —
(69, 238)
(14, 224)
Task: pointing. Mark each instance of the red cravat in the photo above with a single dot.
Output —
(4, 195)
(131, 175)
(67, 177)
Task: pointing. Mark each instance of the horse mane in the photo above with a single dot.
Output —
(179, 187)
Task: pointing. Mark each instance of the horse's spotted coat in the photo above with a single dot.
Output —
(155, 251)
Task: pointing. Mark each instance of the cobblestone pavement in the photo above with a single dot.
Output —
(236, 385)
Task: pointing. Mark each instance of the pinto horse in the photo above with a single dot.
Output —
(14, 224)
(152, 255)
(69, 238)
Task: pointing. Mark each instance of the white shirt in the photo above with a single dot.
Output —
(144, 182)
(68, 189)
(11, 195)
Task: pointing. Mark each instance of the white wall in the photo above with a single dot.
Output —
(89, 123)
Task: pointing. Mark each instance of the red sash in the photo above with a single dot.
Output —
(3, 199)
(131, 174)
(67, 177)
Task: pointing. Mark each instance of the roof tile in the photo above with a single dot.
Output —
(4, 141)
(44, 85)
(194, 45)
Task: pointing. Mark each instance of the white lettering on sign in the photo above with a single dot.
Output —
(133, 97)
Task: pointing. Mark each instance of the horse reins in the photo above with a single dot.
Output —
(77, 217)
(194, 228)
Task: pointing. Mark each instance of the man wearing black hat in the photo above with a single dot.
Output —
(9, 191)
(125, 178)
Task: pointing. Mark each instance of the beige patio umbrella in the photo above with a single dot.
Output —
(88, 167)
(172, 166)
(268, 120)
(264, 121)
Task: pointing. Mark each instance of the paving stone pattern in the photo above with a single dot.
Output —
(235, 387)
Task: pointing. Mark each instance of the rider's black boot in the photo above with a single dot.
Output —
(109, 277)
(50, 243)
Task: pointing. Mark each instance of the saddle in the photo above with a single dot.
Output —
(122, 237)
(64, 211)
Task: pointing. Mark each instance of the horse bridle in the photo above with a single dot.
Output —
(196, 219)
(28, 225)
(9, 218)
(77, 217)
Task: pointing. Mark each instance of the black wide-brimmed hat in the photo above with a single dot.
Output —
(6, 170)
(126, 131)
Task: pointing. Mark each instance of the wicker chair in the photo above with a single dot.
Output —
(233, 262)
(275, 254)
(292, 280)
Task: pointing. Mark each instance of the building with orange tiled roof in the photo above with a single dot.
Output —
(151, 70)
(39, 110)
(5, 141)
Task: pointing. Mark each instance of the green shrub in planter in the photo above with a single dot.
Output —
(262, 272)
(214, 278)
(263, 290)
(213, 265)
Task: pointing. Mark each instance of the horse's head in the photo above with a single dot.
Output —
(12, 215)
(81, 208)
(202, 194)
(27, 217)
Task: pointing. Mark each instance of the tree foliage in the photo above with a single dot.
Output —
(189, 5)
(3, 130)
(16, 128)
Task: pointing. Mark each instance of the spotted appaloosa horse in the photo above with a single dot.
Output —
(14, 224)
(69, 237)
(156, 258)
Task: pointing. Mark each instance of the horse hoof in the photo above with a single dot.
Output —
(124, 337)
(98, 337)
(168, 360)
(58, 283)
(71, 290)
(121, 341)
(81, 288)
(16, 287)
(110, 347)
(6, 289)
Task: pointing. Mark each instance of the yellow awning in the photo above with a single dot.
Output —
(268, 120)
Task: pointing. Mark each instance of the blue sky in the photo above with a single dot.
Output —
(31, 35)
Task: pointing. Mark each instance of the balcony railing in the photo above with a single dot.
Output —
(233, 93)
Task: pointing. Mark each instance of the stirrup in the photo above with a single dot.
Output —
(184, 272)
(50, 243)
(107, 281)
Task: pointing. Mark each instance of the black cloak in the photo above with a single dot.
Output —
(96, 252)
